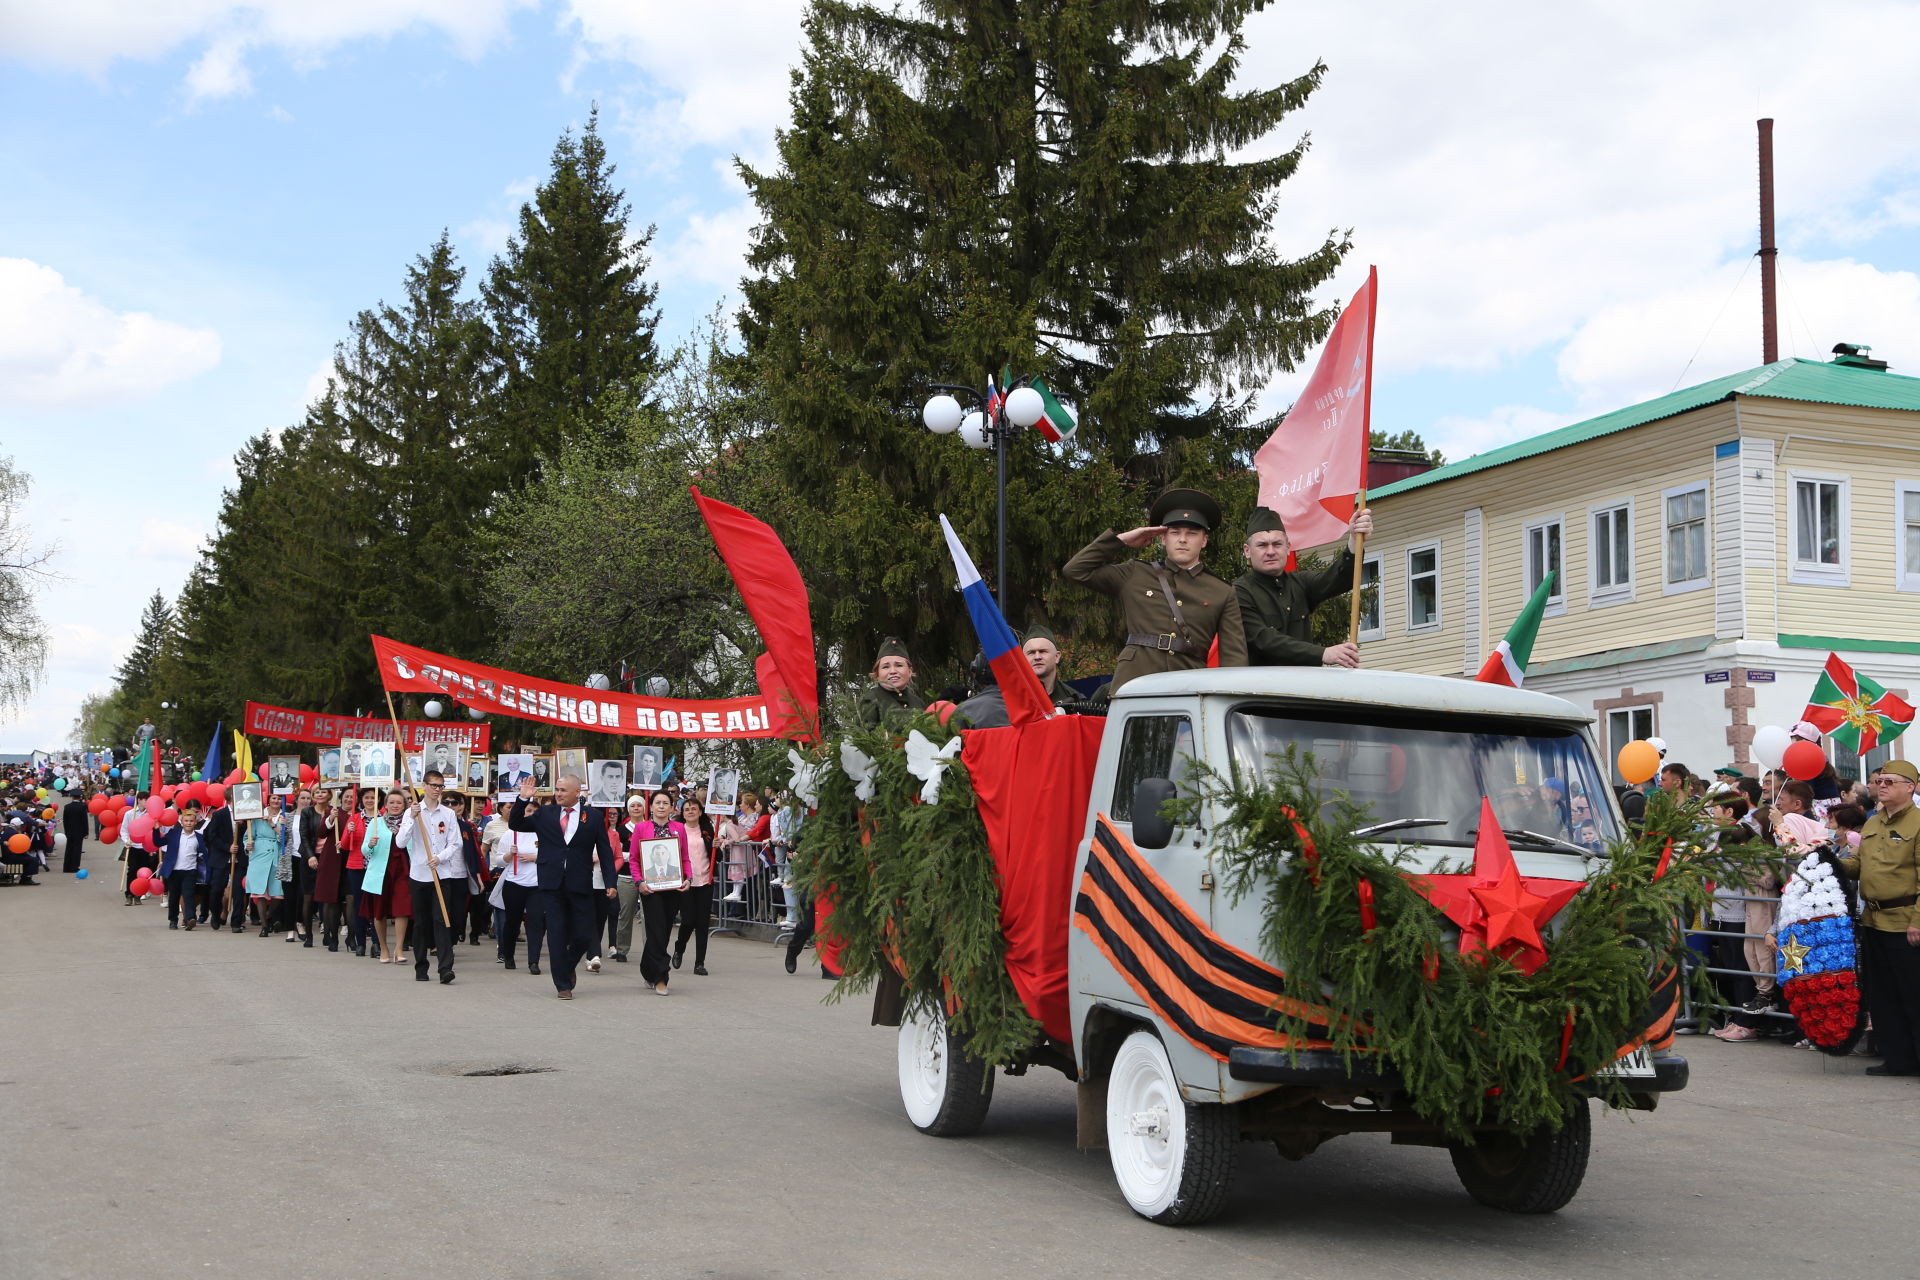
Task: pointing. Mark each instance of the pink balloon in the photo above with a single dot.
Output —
(154, 805)
(156, 886)
(142, 874)
(140, 828)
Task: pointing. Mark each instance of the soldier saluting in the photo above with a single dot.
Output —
(1171, 610)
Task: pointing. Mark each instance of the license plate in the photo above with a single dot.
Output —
(1637, 1065)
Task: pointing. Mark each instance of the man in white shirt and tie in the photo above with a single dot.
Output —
(430, 833)
(571, 836)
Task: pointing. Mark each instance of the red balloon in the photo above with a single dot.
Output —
(198, 791)
(156, 886)
(109, 831)
(96, 804)
(124, 801)
(309, 775)
(1803, 760)
(142, 874)
(216, 794)
(235, 776)
(942, 710)
(166, 793)
(169, 816)
(262, 771)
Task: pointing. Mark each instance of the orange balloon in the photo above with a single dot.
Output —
(19, 844)
(1638, 761)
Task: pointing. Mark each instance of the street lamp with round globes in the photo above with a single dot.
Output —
(434, 709)
(974, 432)
(475, 713)
(598, 680)
(657, 687)
(1024, 406)
(942, 415)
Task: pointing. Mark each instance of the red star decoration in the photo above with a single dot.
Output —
(1499, 911)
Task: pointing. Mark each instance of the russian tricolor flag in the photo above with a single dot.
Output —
(1026, 699)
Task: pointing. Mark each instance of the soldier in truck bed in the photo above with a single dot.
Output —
(1276, 606)
(1171, 610)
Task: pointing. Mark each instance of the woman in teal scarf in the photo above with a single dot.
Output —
(261, 839)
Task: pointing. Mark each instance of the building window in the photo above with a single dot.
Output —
(1819, 529)
(1423, 587)
(1686, 527)
(1612, 553)
(1372, 614)
(1544, 540)
(1627, 724)
(1906, 514)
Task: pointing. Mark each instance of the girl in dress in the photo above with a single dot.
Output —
(261, 839)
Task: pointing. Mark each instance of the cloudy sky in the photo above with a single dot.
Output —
(198, 195)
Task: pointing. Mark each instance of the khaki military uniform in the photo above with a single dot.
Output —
(876, 705)
(1887, 865)
(1277, 611)
(1154, 641)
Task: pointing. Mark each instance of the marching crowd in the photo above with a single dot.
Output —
(392, 875)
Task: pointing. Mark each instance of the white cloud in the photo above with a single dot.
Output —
(1460, 437)
(90, 35)
(170, 540)
(722, 66)
(76, 646)
(712, 250)
(1517, 173)
(317, 383)
(60, 349)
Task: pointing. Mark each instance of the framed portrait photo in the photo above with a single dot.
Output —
(416, 770)
(508, 769)
(660, 864)
(543, 775)
(378, 764)
(477, 779)
(723, 792)
(249, 801)
(283, 775)
(330, 767)
(571, 760)
(647, 774)
(607, 784)
(353, 762)
(450, 759)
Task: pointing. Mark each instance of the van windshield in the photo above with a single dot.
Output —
(1541, 778)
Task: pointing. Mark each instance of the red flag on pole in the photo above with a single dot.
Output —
(776, 599)
(1315, 464)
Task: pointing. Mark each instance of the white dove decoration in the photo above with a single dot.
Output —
(859, 766)
(927, 762)
(806, 777)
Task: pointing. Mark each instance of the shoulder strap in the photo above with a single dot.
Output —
(1173, 601)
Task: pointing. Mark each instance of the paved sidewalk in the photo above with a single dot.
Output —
(202, 1104)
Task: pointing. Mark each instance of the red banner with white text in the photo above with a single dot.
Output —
(406, 668)
(289, 725)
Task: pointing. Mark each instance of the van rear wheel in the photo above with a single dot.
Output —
(1527, 1173)
(945, 1090)
(1172, 1158)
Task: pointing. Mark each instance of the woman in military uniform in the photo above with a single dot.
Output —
(1171, 610)
(892, 692)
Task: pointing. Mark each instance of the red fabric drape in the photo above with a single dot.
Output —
(1032, 783)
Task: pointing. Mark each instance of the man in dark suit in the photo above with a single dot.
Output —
(75, 821)
(219, 836)
(570, 836)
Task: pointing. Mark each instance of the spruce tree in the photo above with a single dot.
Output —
(136, 672)
(571, 309)
(1069, 189)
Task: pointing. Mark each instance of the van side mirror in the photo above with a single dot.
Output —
(1151, 828)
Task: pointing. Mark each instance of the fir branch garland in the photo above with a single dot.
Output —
(914, 887)
(1476, 1041)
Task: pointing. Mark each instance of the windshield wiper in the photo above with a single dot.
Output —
(1398, 824)
(1552, 842)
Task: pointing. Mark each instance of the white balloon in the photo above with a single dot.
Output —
(1770, 745)
(1024, 406)
(942, 415)
(973, 431)
(599, 681)
(434, 710)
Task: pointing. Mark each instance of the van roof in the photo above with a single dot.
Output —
(1372, 688)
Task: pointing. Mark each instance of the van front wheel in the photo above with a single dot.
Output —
(1527, 1173)
(1172, 1158)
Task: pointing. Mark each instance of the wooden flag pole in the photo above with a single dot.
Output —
(400, 767)
(1359, 563)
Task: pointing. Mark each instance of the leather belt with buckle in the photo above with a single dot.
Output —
(1891, 904)
(1165, 641)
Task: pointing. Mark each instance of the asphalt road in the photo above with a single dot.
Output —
(202, 1104)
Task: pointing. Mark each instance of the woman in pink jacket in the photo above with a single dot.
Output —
(658, 906)
(696, 900)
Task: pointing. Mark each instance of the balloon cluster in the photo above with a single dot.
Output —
(1794, 755)
(146, 883)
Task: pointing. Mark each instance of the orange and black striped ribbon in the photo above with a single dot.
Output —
(1214, 995)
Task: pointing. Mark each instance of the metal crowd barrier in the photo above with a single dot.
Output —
(1689, 1019)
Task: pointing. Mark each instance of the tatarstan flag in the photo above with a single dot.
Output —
(1056, 424)
(1507, 664)
(1857, 712)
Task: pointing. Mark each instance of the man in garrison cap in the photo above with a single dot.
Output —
(891, 695)
(1276, 606)
(988, 708)
(1172, 609)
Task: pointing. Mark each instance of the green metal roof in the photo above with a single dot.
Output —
(1792, 379)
